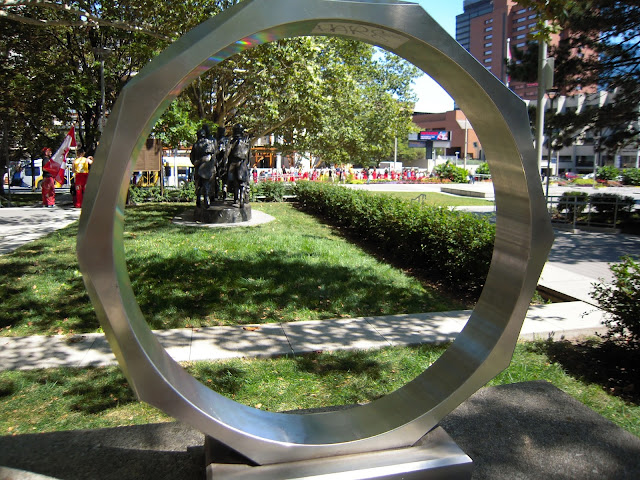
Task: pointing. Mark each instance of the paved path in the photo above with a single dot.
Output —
(576, 262)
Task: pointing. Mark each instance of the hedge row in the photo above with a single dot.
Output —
(456, 247)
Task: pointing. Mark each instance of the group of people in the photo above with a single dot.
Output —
(81, 166)
(221, 164)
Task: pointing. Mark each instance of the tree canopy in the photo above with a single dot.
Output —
(600, 47)
(337, 98)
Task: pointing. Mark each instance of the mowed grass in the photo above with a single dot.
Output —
(63, 399)
(294, 268)
(438, 199)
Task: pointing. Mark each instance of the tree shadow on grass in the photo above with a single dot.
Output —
(614, 367)
(266, 287)
(355, 362)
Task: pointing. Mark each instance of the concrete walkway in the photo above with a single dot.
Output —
(576, 262)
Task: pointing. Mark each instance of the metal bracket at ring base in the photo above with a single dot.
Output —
(481, 350)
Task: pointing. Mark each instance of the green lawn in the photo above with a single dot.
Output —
(63, 399)
(291, 269)
(294, 268)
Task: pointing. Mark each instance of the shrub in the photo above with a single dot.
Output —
(622, 303)
(271, 191)
(451, 172)
(455, 247)
(573, 203)
(607, 172)
(483, 169)
(185, 193)
(631, 176)
(606, 203)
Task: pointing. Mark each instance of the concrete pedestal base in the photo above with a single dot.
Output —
(222, 212)
(435, 456)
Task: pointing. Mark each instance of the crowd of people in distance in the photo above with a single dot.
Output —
(339, 175)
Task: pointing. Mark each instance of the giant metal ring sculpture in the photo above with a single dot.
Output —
(481, 350)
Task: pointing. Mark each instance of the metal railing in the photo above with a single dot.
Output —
(578, 211)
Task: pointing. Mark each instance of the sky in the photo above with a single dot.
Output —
(431, 97)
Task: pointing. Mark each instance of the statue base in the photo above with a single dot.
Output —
(222, 212)
(436, 457)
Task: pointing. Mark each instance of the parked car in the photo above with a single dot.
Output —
(571, 175)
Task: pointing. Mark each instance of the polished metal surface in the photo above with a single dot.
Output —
(435, 457)
(480, 351)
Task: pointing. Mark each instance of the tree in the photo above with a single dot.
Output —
(600, 46)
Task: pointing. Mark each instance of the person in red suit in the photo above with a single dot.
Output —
(48, 190)
(81, 169)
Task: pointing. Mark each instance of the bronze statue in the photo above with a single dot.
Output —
(203, 158)
(238, 165)
(220, 182)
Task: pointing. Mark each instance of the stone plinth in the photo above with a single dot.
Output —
(222, 212)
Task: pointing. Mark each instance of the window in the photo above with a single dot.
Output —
(521, 36)
(488, 44)
(488, 52)
(521, 44)
(488, 37)
(522, 10)
(531, 25)
(519, 20)
(488, 29)
(487, 60)
(531, 17)
(490, 20)
(488, 67)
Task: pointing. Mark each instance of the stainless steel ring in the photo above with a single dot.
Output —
(480, 351)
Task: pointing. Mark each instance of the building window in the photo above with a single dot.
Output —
(488, 37)
(521, 44)
(522, 10)
(490, 20)
(532, 25)
(521, 36)
(520, 20)
(531, 17)
(488, 44)
(488, 67)
(488, 29)
(520, 28)
(487, 60)
(488, 52)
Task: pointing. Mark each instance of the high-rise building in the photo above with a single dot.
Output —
(489, 28)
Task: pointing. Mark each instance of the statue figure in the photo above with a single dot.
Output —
(203, 159)
(238, 165)
(220, 183)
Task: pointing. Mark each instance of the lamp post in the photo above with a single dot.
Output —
(596, 157)
(552, 96)
(465, 124)
(101, 53)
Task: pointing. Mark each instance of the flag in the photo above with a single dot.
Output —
(56, 164)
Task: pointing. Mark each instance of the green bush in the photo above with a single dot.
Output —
(606, 203)
(631, 176)
(269, 191)
(574, 203)
(185, 193)
(456, 247)
(451, 172)
(483, 169)
(607, 172)
(622, 303)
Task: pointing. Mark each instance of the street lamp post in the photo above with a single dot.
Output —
(552, 96)
(596, 157)
(101, 53)
(465, 124)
